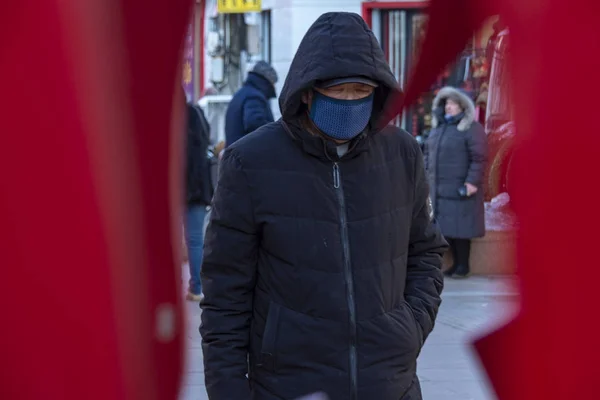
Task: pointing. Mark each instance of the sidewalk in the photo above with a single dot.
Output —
(447, 367)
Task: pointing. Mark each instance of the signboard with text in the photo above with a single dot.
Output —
(238, 6)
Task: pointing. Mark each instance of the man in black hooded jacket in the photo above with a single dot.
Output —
(322, 263)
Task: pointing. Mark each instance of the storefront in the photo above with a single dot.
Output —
(223, 39)
(400, 28)
(233, 36)
(237, 34)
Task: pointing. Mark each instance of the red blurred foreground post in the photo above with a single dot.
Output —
(551, 350)
(89, 289)
(89, 283)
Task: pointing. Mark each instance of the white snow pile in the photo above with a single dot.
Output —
(498, 214)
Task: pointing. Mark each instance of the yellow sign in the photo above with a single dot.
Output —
(238, 6)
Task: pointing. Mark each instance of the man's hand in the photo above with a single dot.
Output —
(471, 189)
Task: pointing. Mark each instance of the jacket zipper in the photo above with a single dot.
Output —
(337, 184)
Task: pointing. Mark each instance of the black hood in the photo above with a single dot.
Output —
(337, 45)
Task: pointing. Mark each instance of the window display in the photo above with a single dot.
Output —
(401, 35)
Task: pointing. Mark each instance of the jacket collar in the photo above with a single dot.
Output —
(261, 84)
(318, 146)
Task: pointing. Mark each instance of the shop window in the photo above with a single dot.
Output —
(401, 33)
(500, 107)
(266, 35)
(258, 36)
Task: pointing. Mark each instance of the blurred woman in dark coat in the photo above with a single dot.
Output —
(455, 157)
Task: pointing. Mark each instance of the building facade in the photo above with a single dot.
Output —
(233, 42)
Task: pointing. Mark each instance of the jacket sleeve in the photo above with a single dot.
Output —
(424, 279)
(478, 150)
(255, 114)
(228, 280)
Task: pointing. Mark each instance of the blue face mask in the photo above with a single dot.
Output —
(340, 119)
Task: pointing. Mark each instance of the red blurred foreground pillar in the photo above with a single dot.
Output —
(551, 349)
(89, 287)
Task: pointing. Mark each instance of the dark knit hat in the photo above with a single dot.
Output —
(263, 69)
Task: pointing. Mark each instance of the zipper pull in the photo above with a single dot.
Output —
(336, 176)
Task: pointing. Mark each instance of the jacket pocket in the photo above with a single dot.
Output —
(417, 324)
(269, 341)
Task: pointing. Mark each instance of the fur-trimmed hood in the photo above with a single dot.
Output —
(465, 102)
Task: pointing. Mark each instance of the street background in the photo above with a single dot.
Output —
(447, 366)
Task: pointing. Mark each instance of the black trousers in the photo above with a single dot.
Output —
(461, 251)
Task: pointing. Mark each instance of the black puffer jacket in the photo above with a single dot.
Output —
(324, 271)
(455, 153)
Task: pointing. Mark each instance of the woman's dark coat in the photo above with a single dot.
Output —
(321, 273)
(456, 153)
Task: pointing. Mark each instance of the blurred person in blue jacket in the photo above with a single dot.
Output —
(249, 108)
